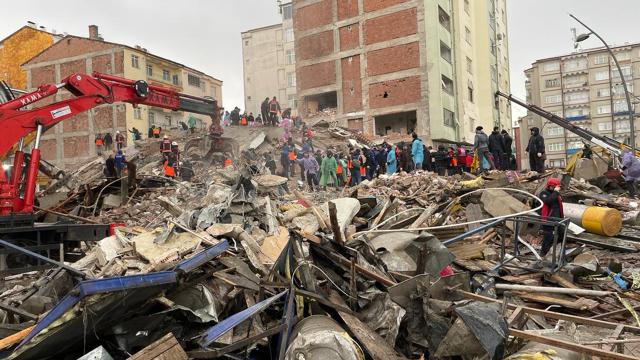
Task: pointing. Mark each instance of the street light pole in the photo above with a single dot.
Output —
(632, 127)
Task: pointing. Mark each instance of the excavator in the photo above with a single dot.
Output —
(606, 148)
(20, 117)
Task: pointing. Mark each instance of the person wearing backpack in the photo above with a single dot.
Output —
(274, 109)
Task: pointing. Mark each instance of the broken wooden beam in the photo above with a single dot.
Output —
(553, 290)
(335, 227)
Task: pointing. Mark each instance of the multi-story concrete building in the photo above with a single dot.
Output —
(72, 142)
(21, 46)
(585, 88)
(396, 66)
(269, 59)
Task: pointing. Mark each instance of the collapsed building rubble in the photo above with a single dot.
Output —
(244, 264)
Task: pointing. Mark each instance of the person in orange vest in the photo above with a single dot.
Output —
(243, 120)
(292, 158)
(227, 163)
(156, 132)
(165, 147)
(169, 165)
(99, 144)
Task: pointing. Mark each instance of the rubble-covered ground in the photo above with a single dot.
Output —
(237, 263)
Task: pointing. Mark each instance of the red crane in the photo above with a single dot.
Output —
(89, 92)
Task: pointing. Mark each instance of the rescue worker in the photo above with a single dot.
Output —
(156, 132)
(292, 158)
(417, 151)
(587, 152)
(270, 163)
(99, 143)
(461, 154)
(192, 123)
(110, 167)
(264, 111)
(442, 160)
(108, 141)
(328, 171)
(535, 148)
(176, 151)
(631, 171)
(119, 140)
(481, 146)
(392, 161)
(284, 160)
(452, 167)
(311, 168)
(496, 147)
(341, 171)
(169, 165)
(150, 133)
(551, 208)
(136, 134)
(274, 109)
(165, 147)
(120, 162)
(508, 151)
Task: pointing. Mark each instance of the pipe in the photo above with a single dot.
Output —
(552, 290)
(595, 219)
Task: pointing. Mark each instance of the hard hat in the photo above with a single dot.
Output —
(174, 143)
(166, 137)
(553, 182)
(118, 132)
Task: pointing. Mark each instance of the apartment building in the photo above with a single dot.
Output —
(20, 46)
(585, 88)
(269, 59)
(391, 67)
(71, 143)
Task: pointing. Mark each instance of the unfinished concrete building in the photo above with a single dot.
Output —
(389, 67)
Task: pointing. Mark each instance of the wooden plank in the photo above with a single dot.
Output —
(582, 349)
(15, 338)
(335, 227)
(165, 348)
(614, 336)
(426, 214)
(579, 304)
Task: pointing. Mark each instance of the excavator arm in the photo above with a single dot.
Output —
(88, 92)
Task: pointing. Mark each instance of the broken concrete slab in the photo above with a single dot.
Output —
(347, 208)
(273, 245)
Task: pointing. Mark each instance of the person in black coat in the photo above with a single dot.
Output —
(441, 160)
(535, 148)
(508, 153)
(264, 111)
(552, 207)
(496, 147)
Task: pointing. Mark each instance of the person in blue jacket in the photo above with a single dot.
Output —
(417, 151)
(392, 163)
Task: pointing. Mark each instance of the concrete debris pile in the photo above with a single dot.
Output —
(239, 263)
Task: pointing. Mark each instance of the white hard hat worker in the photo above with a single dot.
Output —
(118, 132)
(174, 144)
(166, 137)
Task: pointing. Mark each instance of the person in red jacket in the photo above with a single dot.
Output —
(551, 208)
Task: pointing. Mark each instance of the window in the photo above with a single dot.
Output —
(287, 35)
(604, 126)
(620, 106)
(551, 66)
(466, 6)
(554, 130)
(549, 83)
(193, 80)
(291, 79)
(552, 99)
(449, 118)
(603, 109)
(149, 70)
(137, 113)
(152, 118)
(623, 56)
(600, 59)
(556, 147)
(444, 18)
(175, 80)
(604, 92)
(293, 102)
(287, 11)
(445, 52)
(575, 144)
(602, 75)
(558, 163)
(622, 125)
(576, 112)
(470, 90)
(166, 75)
(167, 119)
(447, 85)
(291, 56)
(467, 35)
(626, 71)
(135, 61)
(469, 66)
(619, 89)
(576, 97)
(575, 64)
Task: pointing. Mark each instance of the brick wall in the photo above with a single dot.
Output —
(314, 15)
(73, 67)
(347, 9)
(351, 84)
(349, 37)
(394, 92)
(391, 26)
(392, 59)
(316, 75)
(314, 46)
(16, 49)
(373, 5)
(70, 46)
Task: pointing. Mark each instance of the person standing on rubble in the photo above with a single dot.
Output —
(341, 171)
(452, 166)
(508, 151)
(169, 165)
(417, 151)
(381, 158)
(120, 161)
(99, 143)
(156, 132)
(284, 160)
(427, 163)
(286, 125)
(274, 110)
(461, 155)
(264, 111)
(192, 124)
(481, 146)
(310, 172)
(119, 140)
(496, 147)
(536, 151)
(356, 162)
(110, 167)
(269, 163)
(587, 153)
(300, 162)
(108, 141)
(442, 160)
(175, 150)
(328, 171)
(392, 161)
(552, 207)
(136, 134)
(631, 171)
(372, 162)
(165, 147)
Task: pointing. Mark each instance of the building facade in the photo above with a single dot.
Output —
(269, 64)
(396, 66)
(585, 88)
(19, 47)
(71, 143)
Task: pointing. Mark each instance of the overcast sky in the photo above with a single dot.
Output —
(205, 34)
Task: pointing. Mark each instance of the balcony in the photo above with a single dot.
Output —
(575, 85)
(577, 118)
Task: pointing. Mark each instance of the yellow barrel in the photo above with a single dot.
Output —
(602, 221)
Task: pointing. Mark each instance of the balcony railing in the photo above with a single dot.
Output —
(578, 118)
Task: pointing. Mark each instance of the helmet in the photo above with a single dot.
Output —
(118, 132)
(166, 137)
(553, 182)
(174, 144)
